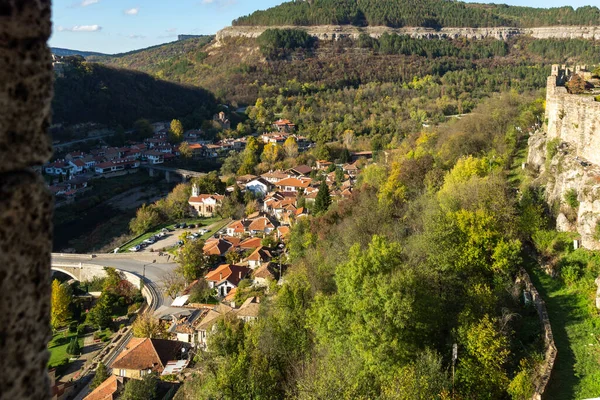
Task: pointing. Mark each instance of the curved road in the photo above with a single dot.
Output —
(152, 272)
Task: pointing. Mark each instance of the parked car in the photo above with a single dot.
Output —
(135, 248)
(195, 235)
(150, 240)
(183, 225)
(165, 230)
(180, 242)
(161, 235)
(191, 226)
(203, 231)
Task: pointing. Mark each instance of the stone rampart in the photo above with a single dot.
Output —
(574, 119)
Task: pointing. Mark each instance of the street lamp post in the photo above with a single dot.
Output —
(144, 272)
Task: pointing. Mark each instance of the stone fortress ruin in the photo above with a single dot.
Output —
(566, 151)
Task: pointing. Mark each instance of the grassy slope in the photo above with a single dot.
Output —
(576, 327)
(58, 348)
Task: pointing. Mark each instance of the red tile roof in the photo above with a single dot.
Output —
(294, 182)
(105, 391)
(229, 272)
(251, 243)
(143, 354)
(202, 197)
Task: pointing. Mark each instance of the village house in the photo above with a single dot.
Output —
(261, 225)
(226, 277)
(293, 184)
(259, 257)
(108, 390)
(284, 125)
(205, 205)
(58, 167)
(274, 176)
(143, 356)
(238, 228)
(300, 170)
(248, 312)
(205, 325)
(263, 274)
(259, 187)
(154, 157)
(216, 247)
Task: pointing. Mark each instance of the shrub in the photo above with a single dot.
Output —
(571, 198)
(570, 274)
(552, 148)
(73, 327)
(597, 231)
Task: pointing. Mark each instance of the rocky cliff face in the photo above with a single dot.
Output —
(328, 32)
(566, 157)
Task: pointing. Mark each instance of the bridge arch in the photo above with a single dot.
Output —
(66, 272)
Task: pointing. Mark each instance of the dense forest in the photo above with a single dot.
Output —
(89, 92)
(417, 13)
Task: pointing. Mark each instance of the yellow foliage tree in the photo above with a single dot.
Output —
(146, 326)
(61, 299)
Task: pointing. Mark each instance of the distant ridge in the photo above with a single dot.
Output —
(434, 14)
(68, 52)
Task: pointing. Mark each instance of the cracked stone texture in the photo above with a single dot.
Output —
(25, 203)
(25, 83)
(25, 246)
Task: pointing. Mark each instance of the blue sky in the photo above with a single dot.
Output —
(113, 26)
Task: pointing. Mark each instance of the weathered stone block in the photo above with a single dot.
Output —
(25, 83)
(25, 246)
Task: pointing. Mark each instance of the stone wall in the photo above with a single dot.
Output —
(572, 132)
(574, 119)
(25, 203)
(328, 32)
(542, 377)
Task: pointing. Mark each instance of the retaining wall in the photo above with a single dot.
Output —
(544, 372)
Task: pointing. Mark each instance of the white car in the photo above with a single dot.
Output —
(135, 248)
(203, 231)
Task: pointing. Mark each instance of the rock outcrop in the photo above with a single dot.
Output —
(332, 32)
(566, 157)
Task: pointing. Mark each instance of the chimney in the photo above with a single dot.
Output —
(220, 276)
(240, 275)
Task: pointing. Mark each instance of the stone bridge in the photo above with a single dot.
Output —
(185, 174)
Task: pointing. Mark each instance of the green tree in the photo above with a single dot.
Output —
(61, 299)
(176, 131)
(101, 314)
(323, 199)
(146, 217)
(74, 348)
(249, 157)
(144, 389)
(193, 263)
(142, 129)
(210, 183)
(100, 376)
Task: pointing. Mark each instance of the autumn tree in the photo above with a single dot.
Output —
(185, 150)
(210, 183)
(61, 299)
(271, 153)
(176, 204)
(576, 85)
(249, 157)
(100, 315)
(172, 284)
(146, 326)
(290, 146)
(176, 131)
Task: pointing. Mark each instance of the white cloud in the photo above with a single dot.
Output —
(132, 11)
(80, 28)
(208, 1)
(136, 37)
(86, 3)
(171, 30)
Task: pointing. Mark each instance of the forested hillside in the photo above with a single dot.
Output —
(417, 13)
(89, 92)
